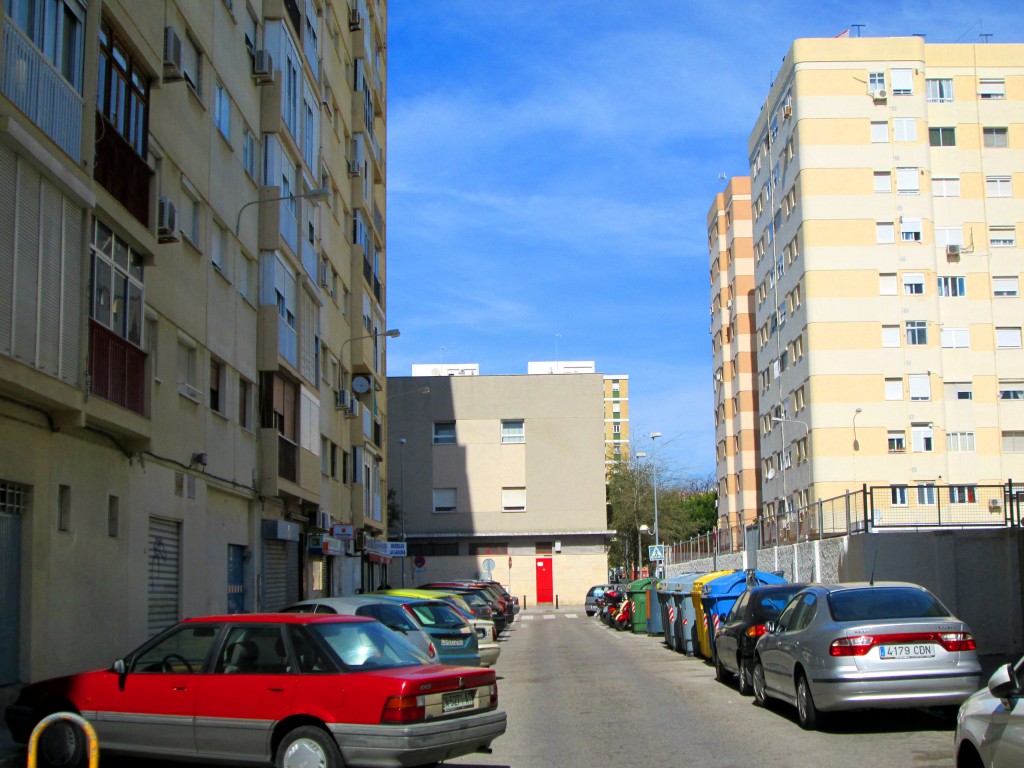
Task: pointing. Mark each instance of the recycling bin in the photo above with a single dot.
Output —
(637, 593)
(699, 633)
(719, 596)
(672, 593)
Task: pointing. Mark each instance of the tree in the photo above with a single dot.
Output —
(394, 516)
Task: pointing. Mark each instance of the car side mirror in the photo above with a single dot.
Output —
(119, 667)
(1004, 685)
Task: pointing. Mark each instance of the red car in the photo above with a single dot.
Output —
(294, 690)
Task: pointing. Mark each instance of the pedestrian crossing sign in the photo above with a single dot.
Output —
(656, 552)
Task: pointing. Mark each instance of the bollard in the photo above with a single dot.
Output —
(524, 602)
(90, 737)
(556, 602)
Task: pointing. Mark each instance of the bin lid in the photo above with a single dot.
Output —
(698, 585)
(738, 582)
(680, 583)
(641, 584)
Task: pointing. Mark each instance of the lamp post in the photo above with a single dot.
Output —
(639, 548)
(401, 498)
(654, 476)
(392, 333)
(314, 195)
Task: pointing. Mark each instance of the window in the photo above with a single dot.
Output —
(996, 138)
(917, 333)
(898, 495)
(904, 129)
(216, 386)
(1011, 389)
(250, 153)
(897, 442)
(894, 389)
(963, 494)
(926, 494)
(1002, 237)
(942, 137)
(885, 232)
(913, 283)
(998, 186)
(959, 390)
(890, 335)
(244, 403)
(920, 386)
(116, 295)
(123, 91)
(883, 181)
(879, 132)
(949, 236)
(64, 508)
(1008, 338)
(488, 548)
(244, 275)
(190, 212)
(876, 81)
(222, 111)
(219, 247)
(922, 438)
(513, 499)
(444, 433)
(887, 284)
(192, 64)
(444, 500)
(908, 181)
(946, 186)
(952, 286)
(187, 370)
(960, 442)
(513, 431)
(992, 88)
(1013, 441)
(903, 82)
(955, 338)
(910, 230)
(939, 90)
(113, 517)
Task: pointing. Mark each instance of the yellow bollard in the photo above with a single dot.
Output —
(90, 737)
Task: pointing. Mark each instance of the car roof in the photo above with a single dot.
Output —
(866, 585)
(348, 601)
(275, 618)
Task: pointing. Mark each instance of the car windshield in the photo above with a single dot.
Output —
(437, 616)
(875, 603)
(769, 605)
(368, 645)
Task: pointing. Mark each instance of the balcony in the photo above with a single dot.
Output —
(39, 90)
(117, 369)
(287, 459)
(121, 171)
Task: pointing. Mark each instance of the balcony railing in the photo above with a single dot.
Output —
(121, 171)
(117, 369)
(39, 90)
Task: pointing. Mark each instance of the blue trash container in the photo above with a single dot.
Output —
(654, 619)
(719, 595)
(675, 594)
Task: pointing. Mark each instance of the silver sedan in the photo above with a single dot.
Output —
(864, 646)
(990, 726)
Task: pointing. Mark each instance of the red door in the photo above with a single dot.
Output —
(545, 581)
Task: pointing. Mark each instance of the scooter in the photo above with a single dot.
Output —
(624, 616)
(612, 600)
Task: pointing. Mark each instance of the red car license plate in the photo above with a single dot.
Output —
(453, 702)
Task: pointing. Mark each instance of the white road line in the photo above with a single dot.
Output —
(549, 616)
(527, 618)
(572, 615)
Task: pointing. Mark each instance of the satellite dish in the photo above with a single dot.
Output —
(771, 473)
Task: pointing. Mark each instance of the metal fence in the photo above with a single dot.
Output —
(871, 508)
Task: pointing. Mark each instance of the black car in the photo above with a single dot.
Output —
(747, 621)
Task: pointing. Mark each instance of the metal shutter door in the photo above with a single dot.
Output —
(275, 569)
(164, 555)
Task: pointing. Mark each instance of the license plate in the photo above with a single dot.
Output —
(453, 702)
(451, 643)
(920, 651)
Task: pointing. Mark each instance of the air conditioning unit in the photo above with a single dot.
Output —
(355, 20)
(354, 168)
(353, 408)
(342, 398)
(172, 56)
(879, 94)
(263, 67)
(323, 520)
(953, 252)
(787, 111)
(728, 304)
(995, 504)
(167, 221)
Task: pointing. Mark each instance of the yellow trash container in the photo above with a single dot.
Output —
(704, 633)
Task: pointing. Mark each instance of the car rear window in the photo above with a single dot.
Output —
(874, 603)
(437, 615)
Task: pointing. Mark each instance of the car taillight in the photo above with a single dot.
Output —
(404, 709)
(858, 645)
(957, 641)
(431, 651)
(494, 694)
(494, 634)
(756, 630)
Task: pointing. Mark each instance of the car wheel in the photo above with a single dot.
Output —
(61, 745)
(760, 688)
(806, 712)
(721, 673)
(590, 613)
(308, 747)
(746, 684)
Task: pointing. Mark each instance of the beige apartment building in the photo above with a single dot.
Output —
(887, 188)
(737, 449)
(501, 475)
(192, 293)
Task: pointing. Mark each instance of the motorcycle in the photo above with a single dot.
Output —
(624, 616)
(610, 605)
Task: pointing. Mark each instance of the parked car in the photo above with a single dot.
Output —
(482, 629)
(292, 689)
(481, 601)
(990, 724)
(746, 623)
(862, 646)
(596, 591)
(505, 602)
(386, 610)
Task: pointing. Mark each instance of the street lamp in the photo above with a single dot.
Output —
(393, 333)
(639, 548)
(856, 413)
(807, 433)
(654, 474)
(314, 195)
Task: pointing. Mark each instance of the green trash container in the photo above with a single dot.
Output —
(637, 593)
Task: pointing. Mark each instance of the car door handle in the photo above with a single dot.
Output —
(276, 689)
(180, 688)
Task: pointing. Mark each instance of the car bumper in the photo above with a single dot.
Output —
(948, 689)
(20, 722)
(396, 746)
(489, 655)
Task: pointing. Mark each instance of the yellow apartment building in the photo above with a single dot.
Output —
(192, 314)
(737, 450)
(887, 183)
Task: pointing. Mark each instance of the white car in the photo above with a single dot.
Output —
(990, 725)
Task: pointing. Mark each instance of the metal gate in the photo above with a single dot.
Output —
(280, 574)
(13, 505)
(164, 554)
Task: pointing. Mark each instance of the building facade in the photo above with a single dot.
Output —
(501, 476)
(887, 187)
(737, 440)
(192, 297)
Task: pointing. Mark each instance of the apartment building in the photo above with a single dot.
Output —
(887, 186)
(737, 445)
(192, 323)
(501, 476)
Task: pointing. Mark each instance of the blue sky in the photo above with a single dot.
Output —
(550, 168)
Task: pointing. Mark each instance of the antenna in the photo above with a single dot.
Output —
(874, 562)
(722, 177)
(858, 27)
